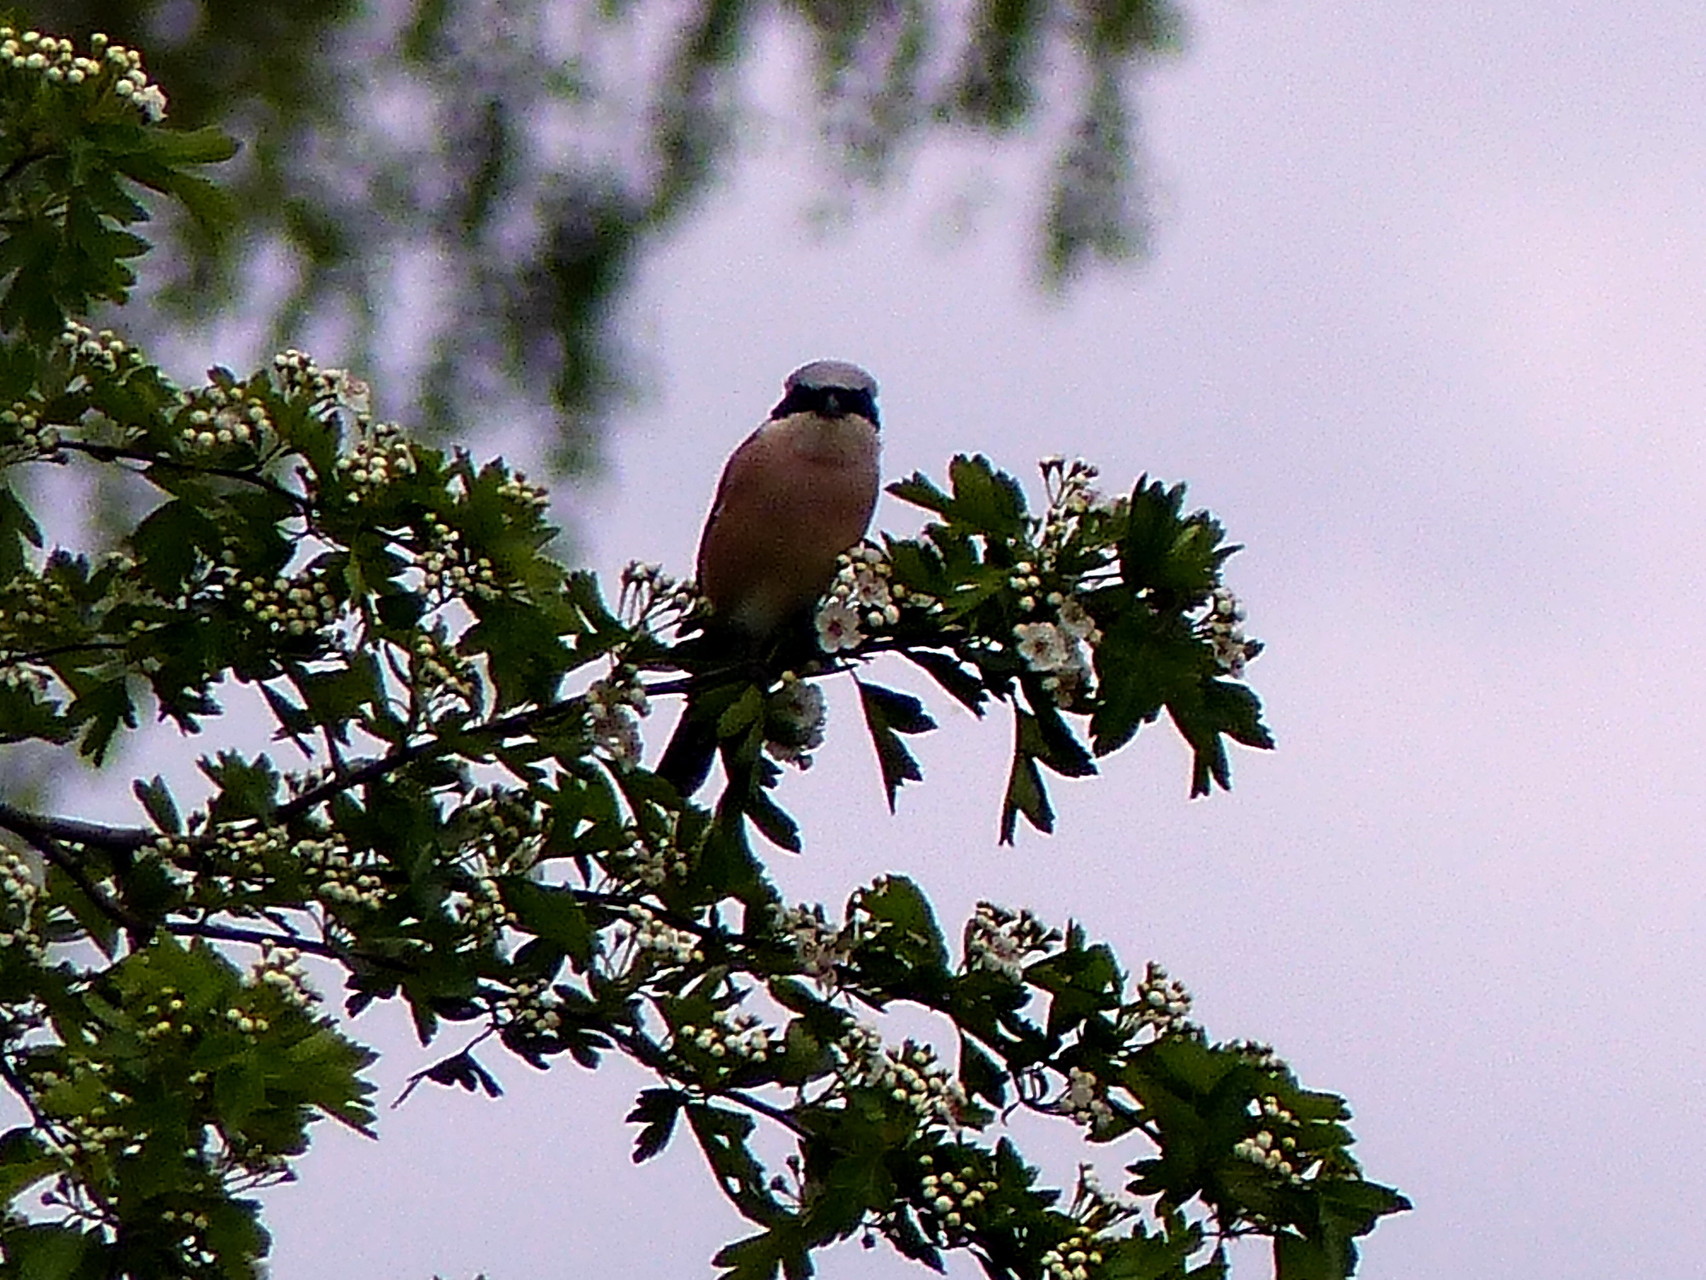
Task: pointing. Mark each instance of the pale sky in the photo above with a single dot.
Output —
(1423, 324)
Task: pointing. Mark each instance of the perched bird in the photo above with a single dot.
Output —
(796, 494)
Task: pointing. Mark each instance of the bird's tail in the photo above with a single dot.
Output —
(686, 761)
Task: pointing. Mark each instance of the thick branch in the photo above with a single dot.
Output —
(42, 832)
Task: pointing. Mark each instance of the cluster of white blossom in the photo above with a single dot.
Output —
(651, 862)
(1223, 627)
(192, 1245)
(820, 947)
(731, 1034)
(1074, 1258)
(380, 454)
(30, 600)
(439, 672)
(102, 348)
(246, 861)
(449, 570)
(613, 708)
(910, 1074)
(1258, 1054)
(341, 881)
(1085, 1100)
(999, 940)
(33, 680)
(794, 722)
(20, 889)
(1070, 488)
(217, 417)
(82, 1134)
(1055, 646)
(653, 936)
(1094, 1205)
(953, 1196)
(167, 1016)
(517, 488)
(480, 908)
(295, 606)
(649, 594)
(249, 1022)
(23, 435)
(281, 969)
(1161, 1003)
(295, 371)
(532, 1007)
(860, 598)
(1277, 1154)
(503, 829)
(58, 63)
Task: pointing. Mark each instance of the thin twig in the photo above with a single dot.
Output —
(117, 453)
(502, 727)
(255, 937)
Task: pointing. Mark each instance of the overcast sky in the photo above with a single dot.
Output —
(1423, 324)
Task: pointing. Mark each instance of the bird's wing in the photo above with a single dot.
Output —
(735, 476)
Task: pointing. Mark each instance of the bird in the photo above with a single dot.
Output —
(796, 494)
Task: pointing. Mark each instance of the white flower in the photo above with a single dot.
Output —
(1044, 646)
(1076, 621)
(798, 714)
(153, 103)
(838, 627)
(616, 729)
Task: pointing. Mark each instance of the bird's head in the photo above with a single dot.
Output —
(833, 388)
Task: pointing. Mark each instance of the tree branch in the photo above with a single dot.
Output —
(256, 937)
(503, 727)
(116, 453)
(137, 928)
(41, 832)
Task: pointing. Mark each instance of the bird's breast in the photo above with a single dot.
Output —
(796, 495)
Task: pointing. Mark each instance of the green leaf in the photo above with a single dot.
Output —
(207, 145)
(888, 714)
(778, 827)
(761, 1257)
(17, 527)
(101, 709)
(981, 1075)
(1141, 1256)
(24, 1161)
(157, 799)
(921, 491)
(988, 500)
(1047, 736)
(1207, 711)
(657, 1110)
(911, 934)
(963, 683)
(1296, 1258)
(247, 788)
(46, 1252)
(1026, 793)
(1142, 662)
(1166, 551)
(722, 1136)
(549, 913)
(169, 545)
